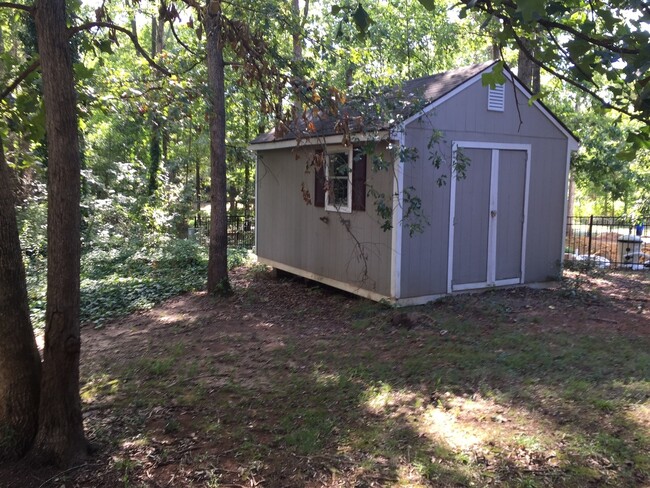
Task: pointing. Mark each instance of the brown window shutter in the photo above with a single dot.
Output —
(359, 180)
(319, 187)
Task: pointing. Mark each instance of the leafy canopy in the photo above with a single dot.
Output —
(600, 47)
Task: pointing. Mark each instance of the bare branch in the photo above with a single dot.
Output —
(195, 4)
(185, 46)
(19, 79)
(127, 32)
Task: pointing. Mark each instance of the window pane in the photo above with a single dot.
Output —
(339, 165)
(340, 192)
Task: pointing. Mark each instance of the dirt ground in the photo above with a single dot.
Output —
(235, 392)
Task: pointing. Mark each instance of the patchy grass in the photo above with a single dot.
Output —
(513, 388)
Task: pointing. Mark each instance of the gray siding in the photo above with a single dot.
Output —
(291, 232)
(465, 117)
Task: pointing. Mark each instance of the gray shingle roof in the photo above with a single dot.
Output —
(428, 89)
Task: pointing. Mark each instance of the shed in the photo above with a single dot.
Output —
(322, 203)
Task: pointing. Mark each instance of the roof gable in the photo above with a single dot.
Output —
(510, 76)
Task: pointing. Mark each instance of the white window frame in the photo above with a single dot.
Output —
(330, 206)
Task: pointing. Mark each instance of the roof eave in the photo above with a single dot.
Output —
(381, 135)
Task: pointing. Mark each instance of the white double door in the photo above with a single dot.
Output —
(488, 215)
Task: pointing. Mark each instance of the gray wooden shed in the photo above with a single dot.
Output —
(501, 225)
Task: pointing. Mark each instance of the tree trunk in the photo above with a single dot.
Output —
(154, 143)
(218, 254)
(247, 160)
(527, 71)
(297, 35)
(20, 364)
(60, 438)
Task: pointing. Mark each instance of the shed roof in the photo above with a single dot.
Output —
(427, 89)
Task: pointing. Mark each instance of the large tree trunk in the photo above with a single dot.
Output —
(218, 255)
(60, 437)
(20, 364)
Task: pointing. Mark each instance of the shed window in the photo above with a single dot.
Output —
(338, 176)
(340, 184)
(496, 98)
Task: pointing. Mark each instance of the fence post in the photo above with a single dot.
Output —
(591, 227)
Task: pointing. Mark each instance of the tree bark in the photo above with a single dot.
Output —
(247, 160)
(527, 71)
(20, 363)
(218, 253)
(154, 143)
(60, 438)
(296, 35)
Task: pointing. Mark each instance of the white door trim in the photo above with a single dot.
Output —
(492, 235)
(398, 215)
(493, 220)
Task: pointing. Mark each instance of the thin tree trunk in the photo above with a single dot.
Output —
(197, 181)
(247, 161)
(296, 35)
(163, 130)
(218, 253)
(20, 364)
(60, 438)
(154, 143)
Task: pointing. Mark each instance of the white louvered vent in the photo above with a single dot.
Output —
(496, 98)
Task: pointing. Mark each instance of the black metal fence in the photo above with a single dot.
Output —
(605, 242)
(241, 231)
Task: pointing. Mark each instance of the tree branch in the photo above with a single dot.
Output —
(576, 84)
(570, 58)
(17, 6)
(127, 32)
(607, 43)
(185, 46)
(19, 79)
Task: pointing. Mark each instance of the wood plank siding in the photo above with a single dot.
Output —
(295, 235)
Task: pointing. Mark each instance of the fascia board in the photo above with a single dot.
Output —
(317, 141)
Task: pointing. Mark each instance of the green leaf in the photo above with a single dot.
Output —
(361, 19)
(627, 154)
(82, 72)
(339, 31)
(531, 9)
(534, 98)
(106, 46)
(336, 9)
(430, 5)
(577, 47)
(495, 77)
